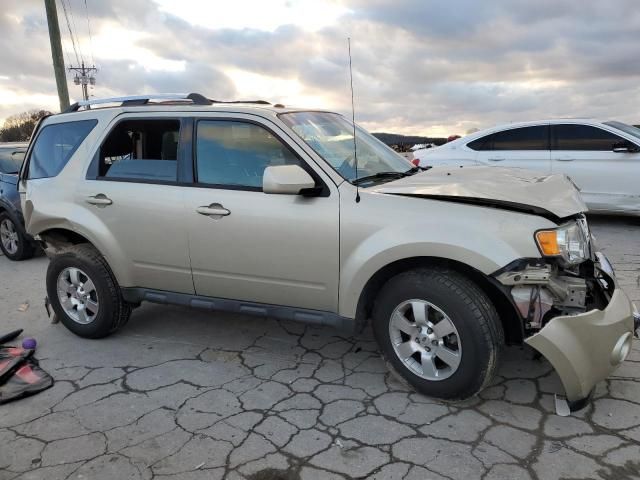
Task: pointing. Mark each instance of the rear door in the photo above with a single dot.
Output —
(608, 180)
(133, 189)
(521, 147)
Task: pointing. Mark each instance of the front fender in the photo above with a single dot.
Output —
(485, 239)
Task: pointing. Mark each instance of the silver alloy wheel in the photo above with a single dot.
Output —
(78, 296)
(9, 236)
(425, 339)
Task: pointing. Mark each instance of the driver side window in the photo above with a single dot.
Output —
(234, 154)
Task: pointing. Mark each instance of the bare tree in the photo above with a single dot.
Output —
(18, 127)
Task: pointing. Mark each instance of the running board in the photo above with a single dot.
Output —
(213, 304)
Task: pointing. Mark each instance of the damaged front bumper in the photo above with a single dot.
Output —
(584, 343)
(586, 348)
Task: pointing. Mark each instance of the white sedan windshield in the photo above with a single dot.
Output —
(631, 130)
(331, 137)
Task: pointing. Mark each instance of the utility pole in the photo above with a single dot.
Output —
(56, 53)
(84, 76)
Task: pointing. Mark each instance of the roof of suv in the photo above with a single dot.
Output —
(192, 102)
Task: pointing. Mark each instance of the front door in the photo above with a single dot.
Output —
(252, 246)
(608, 180)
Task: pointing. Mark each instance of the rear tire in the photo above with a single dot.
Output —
(14, 244)
(439, 332)
(85, 294)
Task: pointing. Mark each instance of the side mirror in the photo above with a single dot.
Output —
(286, 180)
(625, 147)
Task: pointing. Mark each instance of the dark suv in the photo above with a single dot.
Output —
(15, 243)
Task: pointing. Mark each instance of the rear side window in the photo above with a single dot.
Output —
(583, 137)
(55, 145)
(483, 143)
(526, 138)
(145, 150)
(234, 154)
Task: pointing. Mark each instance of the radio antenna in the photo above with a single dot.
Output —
(353, 122)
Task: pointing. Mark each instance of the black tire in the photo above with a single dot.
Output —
(113, 313)
(471, 312)
(25, 249)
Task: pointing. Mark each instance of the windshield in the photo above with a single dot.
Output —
(331, 137)
(635, 131)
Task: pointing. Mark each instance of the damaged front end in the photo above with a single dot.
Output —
(572, 310)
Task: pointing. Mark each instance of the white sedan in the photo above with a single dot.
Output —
(602, 158)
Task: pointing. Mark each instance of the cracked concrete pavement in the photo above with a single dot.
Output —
(193, 395)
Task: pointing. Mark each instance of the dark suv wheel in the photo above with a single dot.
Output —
(439, 332)
(84, 293)
(13, 243)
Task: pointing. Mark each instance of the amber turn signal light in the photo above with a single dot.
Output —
(548, 242)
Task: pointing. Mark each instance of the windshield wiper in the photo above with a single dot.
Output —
(387, 175)
(378, 176)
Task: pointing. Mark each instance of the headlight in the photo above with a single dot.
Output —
(568, 242)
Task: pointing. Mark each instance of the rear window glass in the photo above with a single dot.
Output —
(526, 138)
(55, 145)
(141, 149)
(483, 143)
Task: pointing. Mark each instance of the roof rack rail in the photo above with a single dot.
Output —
(257, 102)
(131, 100)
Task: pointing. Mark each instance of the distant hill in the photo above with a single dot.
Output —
(397, 139)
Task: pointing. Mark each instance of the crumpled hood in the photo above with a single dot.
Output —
(513, 188)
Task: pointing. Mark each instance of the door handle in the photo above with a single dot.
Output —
(500, 159)
(101, 200)
(215, 210)
(565, 159)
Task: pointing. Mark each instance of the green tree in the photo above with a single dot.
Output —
(18, 127)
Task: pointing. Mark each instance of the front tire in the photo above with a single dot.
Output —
(439, 332)
(85, 294)
(13, 243)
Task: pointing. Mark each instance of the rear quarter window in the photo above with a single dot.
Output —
(480, 144)
(55, 145)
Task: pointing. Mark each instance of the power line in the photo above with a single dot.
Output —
(73, 41)
(75, 29)
(89, 29)
(84, 75)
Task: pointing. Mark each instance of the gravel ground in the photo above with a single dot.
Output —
(191, 395)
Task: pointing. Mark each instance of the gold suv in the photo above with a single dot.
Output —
(281, 212)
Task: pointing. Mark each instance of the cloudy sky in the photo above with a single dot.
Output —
(420, 66)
